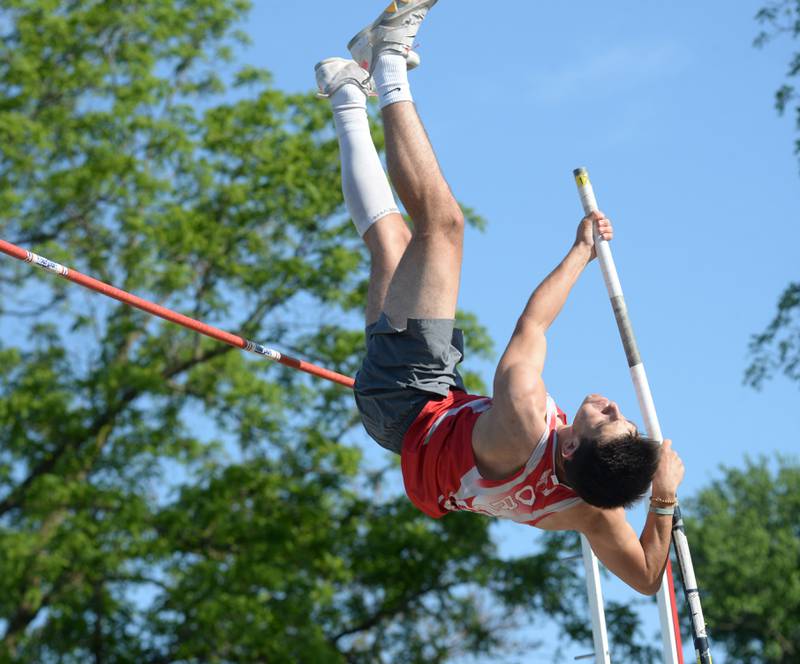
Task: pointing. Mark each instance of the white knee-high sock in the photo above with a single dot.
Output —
(366, 189)
(391, 79)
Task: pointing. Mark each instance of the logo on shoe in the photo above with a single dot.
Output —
(395, 6)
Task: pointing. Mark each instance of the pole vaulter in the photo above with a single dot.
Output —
(666, 597)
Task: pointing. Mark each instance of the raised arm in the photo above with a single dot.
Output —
(524, 356)
(518, 413)
(520, 369)
(638, 562)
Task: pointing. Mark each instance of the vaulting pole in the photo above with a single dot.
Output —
(670, 631)
(171, 316)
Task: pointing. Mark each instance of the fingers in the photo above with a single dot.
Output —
(604, 228)
(667, 446)
(667, 451)
(604, 225)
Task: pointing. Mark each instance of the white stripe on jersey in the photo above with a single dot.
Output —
(550, 509)
(471, 482)
(477, 405)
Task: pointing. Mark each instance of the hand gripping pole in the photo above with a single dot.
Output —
(670, 632)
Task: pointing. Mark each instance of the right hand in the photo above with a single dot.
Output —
(669, 474)
(585, 235)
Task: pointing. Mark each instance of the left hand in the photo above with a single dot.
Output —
(585, 236)
(669, 474)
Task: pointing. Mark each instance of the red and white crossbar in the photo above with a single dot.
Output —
(670, 631)
(173, 317)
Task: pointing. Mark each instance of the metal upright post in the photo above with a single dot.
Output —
(595, 592)
(669, 636)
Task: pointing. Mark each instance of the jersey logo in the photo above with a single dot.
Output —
(546, 484)
(525, 496)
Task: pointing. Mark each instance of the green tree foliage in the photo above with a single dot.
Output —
(745, 535)
(164, 498)
(777, 349)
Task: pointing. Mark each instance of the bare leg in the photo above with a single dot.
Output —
(426, 281)
(387, 240)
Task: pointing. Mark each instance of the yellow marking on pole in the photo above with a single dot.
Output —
(582, 179)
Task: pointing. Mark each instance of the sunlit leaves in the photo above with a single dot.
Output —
(745, 534)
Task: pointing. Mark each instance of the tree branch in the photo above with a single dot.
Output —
(388, 610)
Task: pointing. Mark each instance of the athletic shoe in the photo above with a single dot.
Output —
(333, 73)
(394, 30)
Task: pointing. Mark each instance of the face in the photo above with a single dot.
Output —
(599, 417)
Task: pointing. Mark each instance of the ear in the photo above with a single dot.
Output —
(569, 446)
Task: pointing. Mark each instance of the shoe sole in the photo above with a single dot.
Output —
(328, 61)
(397, 15)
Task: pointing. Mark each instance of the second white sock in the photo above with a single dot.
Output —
(391, 79)
(366, 189)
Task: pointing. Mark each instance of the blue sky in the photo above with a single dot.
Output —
(672, 110)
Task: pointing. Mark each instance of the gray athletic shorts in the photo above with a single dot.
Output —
(402, 371)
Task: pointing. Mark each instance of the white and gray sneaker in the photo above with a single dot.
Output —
(333, 73)
(394, 30)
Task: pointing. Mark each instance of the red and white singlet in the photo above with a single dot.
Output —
(439, 466)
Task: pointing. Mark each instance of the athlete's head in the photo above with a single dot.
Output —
(606, 461)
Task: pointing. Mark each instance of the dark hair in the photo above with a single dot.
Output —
(615, 472)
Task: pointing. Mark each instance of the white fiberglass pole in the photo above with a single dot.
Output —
(670, 637)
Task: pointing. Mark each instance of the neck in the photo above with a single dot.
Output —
(563, 435)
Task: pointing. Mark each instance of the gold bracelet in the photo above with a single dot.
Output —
(664, 501)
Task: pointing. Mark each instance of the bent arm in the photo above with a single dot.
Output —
(638, 562)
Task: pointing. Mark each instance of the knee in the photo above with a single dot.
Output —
(455, 221)
(445, 222)
(388, 238)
